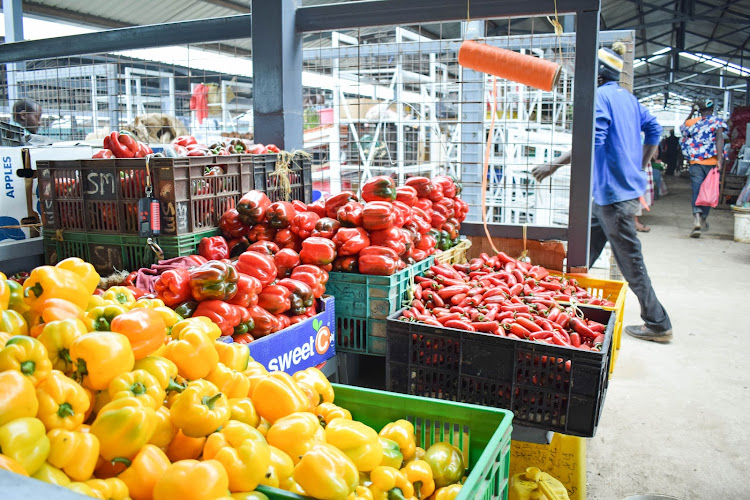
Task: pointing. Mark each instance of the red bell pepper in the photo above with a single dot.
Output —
(213, 280)
(447, 184)
(381, 261)
(429, 242)
(261, 232)
(319, 207)
(256, 149)
(350, 214)
(280, 214)
(437, 193)
(129, 142)
(314, 276)
(407, 195)
(258, 266)
(318, 251)
(265, 323)
(304, 223)
(231, 225)
(184, 140)
(378, 215)
(264, 247)
(302, 295)
(326, 227)
(462, 208)
(451, 229)
(299, 206)
(425, 204)
(144, 150)
(403, 213)
(275, 299)
(381, 237)
(120, 150)
(248, 288)
(243, 338)
(419, 255)
(283, 321)
(415, 236)
(226, 316)
(213, 248)
(236, 246)
(338, 200)
(407, 240)
(346, 264)
(350, 240)
(286, 260)
(272, 149)
(247, 323)
(252, 207)
(446, 206)
(423, 185)
(285, 238)
(104, 153)
(380, 188)
(173, 286)
(437, 220)
(421, 220)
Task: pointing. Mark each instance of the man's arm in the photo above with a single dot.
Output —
(543, 171)
(719, 147)
(648, 153)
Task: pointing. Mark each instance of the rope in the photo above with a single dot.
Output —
(21, 226)
(558, 32)
(282, 170)
(524, 255)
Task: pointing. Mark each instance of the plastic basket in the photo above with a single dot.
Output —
(482, 434)
(110, 252)
(364, 302)
(10, 135)
(564, 458)
(456, 255)
(102, 195)
(300, 178)
(555, 388)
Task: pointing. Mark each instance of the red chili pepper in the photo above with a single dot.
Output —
(528, 324)
(461, 325)
(544, 334)
(286, 260)
(449, 317)
(580, 327)
(519, 330)
(575, 340)
(485, 326)
(563, 319)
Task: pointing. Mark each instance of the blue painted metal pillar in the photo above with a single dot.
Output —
(277, 74)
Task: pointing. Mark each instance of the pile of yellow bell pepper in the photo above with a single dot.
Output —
(118, 398)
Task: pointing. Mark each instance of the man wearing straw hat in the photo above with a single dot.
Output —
(619, 184)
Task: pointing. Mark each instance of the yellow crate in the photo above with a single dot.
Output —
(456, 255)
(564, 459)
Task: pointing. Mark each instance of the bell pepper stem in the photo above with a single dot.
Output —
(65, 410)
(210, 402)
(138, 388)
(65, 355)
(174, 386)
(37, 289)
(396, 494)
(121, 460)
(81, 370)
(418, 489)
(28, 367)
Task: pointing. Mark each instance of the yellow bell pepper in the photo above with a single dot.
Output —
(326, 412)
(95, 301)
(402, 431)
(138, 384)
(62, 402)
(185, 447)
(99, 318)
(52, 310)
(264, 426)
(200, 323)
(4, 338)
(4, 293)
(123, 427)
(389, 483)
(248, 495)
(279, 473)
(52, 475)
(16, 302)
(326, 473)
(392, 456)
(193, 349)
(28, 356)
(448, 492)
(111, 488)
(242, 451)
(255, 372)
(142, 473)
(13, 322)
(100, 357)
(17, 397)
(419, 474)
(234, 356)
(361, 493)
(165, 429)
(119, 295)
(200, 409)
(85, 271)
(315, 378)
(57, 337)
(170, 317)
(25, 441)
(7, 463)
(47, 282)
(163, 369)
(83, 489)
(230, 382)
(75, 452)
(296, 434)
(278, 395)
(101, 398)
(359, 442)
(148, 303)
(243, 411)
(312, 396)
(192, 480)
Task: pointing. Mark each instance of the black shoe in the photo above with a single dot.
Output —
(643, 332)
(696, 226)
(705, 223)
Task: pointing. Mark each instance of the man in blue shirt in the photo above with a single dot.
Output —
(618, 183)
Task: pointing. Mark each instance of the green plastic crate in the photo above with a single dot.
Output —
(110, 252)
(363, 302)
(482, 434)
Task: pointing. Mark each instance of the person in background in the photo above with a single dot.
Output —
(618, 183)
(27, 113)
(703, 146)
(671, 152)
(648, 197)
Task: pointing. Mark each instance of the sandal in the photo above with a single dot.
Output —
(643, 229)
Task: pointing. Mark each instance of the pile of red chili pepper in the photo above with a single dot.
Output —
(389, 229)
(507, 297)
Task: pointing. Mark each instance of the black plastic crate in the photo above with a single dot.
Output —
(102, 195)
(10, 135)
(556, 388)
(300, 178)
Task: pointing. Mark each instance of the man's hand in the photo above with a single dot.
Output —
(543, 171)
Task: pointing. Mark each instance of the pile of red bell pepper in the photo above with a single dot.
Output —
(122, 144)
(187, 145)
(506, 297)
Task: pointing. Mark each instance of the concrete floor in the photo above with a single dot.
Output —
(675, 420)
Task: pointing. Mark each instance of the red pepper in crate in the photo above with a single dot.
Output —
(423, 185)
(248, 288)
(104, 153)
(118, 148)
(461, 208)
(236, 246)
(318, 251)
(173, 287)
(426, 205)
(258, 266)
(226, 316)
(414, 236)
(264, 247)
(378, 215)
(446, 206)
(213, 280)
(286, 260)
(261, 232)
(406, 195)
(256, 149)
(451, 229)
(275, 299)
(319, 207)
(403, 213)
(184, 140)
(283, 321)
(285, 238)
(144, 150)
(408, 240)
(346, 264)
(130, 142)
(428, 243)
(447, 184)
(300, 206)
(213, 248)
(304, 223)
(336, 201)
(280, 214)
(244, 338)
(272, 148)
(264, 322)
(302, 295)
(436, 194)
(381, 237)
(252, 207)
(379, 188)
(247, 323)
(421, 220)
(438, 219)
(381, 261)
(314, 276)
(350, 240)
(350, 214)
(326, 228)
